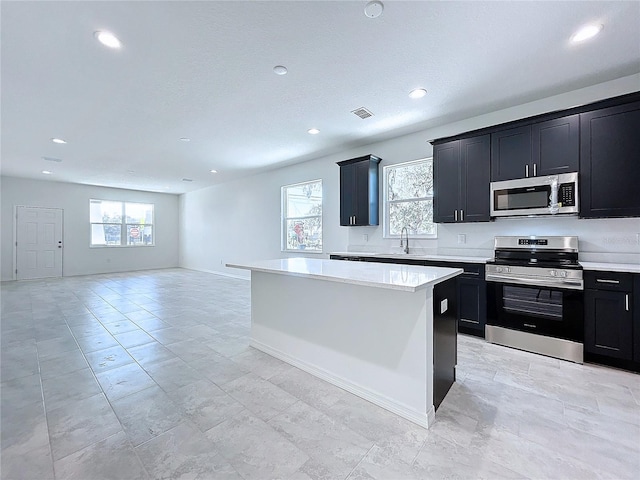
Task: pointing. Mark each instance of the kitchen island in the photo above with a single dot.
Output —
(368, 328)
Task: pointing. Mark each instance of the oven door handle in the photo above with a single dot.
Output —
(560, 283)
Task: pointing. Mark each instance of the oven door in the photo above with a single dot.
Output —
(548, 311)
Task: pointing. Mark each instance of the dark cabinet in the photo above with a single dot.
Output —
(610, 162)
(636, 320)
(472, 304)
(608, 317)
(511, 154)
(555, 146)
(550, 147)
(445, 344)
(461, 180)
(359, 191)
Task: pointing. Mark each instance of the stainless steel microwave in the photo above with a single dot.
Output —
(546, 195)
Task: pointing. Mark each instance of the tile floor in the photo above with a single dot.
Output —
(149, 375)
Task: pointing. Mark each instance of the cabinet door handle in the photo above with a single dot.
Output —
(455, 215)
(526, 170)
(462, 215)
(606, 280)
(626, 302)
(535, 170)
(354, 220)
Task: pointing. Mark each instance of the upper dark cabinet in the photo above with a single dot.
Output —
(550, 147)
(555, 146)
(610, 162)
(511, 154)
(359, 191)
(461, 180)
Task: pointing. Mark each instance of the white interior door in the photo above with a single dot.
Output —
(38, 242)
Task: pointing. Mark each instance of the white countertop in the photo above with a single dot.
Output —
(380, 275)
(611, 267)
(434, 257)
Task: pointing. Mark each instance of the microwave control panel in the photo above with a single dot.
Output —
(567, 194)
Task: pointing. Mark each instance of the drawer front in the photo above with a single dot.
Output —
(616, 281)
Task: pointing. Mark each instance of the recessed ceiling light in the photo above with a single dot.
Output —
(280, 70)
(213, 171)
(58, 140)
(185, 139)
(313, 131)
(417, 93)
(586, 32)
(107, 38)
(47, 172)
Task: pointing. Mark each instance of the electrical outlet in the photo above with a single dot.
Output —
(462, 238)
(365, 237)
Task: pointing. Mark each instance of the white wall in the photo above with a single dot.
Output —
(78, 257)
(240, 221)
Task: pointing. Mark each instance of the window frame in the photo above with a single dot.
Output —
(387, 203)
(284, 218)
(123, 225)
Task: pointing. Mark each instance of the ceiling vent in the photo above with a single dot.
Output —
(51, 159)
(187, 180)
(362, 113)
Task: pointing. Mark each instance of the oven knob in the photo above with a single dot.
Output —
(507, 269)
(553, 273)
(499, 269)
(563, 274)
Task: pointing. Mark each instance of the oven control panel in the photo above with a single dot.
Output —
(533, 241)
(535, 276)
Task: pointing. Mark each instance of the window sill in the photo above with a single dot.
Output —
(121, 246)
(303, 250)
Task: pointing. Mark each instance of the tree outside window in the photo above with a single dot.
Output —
(302, 216)
(408, 191)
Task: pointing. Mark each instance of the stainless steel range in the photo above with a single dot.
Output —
(535, 296)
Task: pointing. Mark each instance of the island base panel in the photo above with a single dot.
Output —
(373, 342)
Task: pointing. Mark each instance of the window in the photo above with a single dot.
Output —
(120, 223)
(302, 216)
(408, 193)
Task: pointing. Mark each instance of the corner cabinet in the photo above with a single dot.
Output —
(461, 180)
(359, 191)
(610, 162)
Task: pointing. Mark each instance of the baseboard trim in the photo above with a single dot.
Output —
(419, 418)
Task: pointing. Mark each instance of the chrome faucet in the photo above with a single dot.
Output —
(402, 244)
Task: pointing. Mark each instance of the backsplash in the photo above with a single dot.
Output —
(600, 240)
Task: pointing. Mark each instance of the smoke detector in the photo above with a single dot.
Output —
(373, 9)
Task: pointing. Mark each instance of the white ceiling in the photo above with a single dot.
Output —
(204, 70)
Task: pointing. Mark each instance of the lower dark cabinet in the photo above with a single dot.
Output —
(608, 317)
(608, 324)
(636, 319)
(445, 349)
(472, 305)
